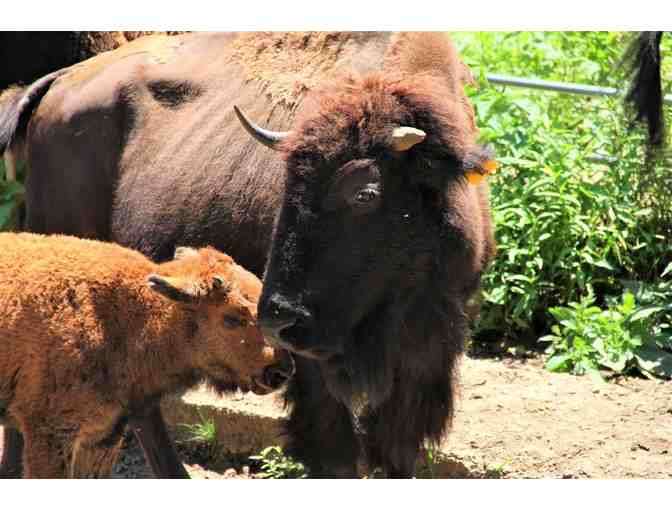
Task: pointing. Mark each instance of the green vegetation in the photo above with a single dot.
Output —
(579, 219)
(11, 196)
(204, 436)
(275, 464)
(624, 337)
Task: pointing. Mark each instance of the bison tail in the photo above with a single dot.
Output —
(645, 94)
(16, 106)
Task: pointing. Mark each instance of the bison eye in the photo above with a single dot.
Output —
(367, 195)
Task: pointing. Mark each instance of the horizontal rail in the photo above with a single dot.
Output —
(568, 88)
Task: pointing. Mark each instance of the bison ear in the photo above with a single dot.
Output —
(175, 289)
(479, 163)
(183, 252)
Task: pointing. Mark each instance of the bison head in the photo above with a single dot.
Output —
(377, 217)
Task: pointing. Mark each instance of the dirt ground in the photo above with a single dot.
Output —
(516, 420)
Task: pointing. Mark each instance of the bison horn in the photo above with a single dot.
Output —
(268, 138)
(404, 137)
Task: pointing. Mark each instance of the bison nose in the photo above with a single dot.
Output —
(277, 314)
(278, 374)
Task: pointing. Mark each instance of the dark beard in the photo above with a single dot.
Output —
(414, 339)
(364, 374)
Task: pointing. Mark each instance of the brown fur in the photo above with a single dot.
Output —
(85, 340)
(286, 65)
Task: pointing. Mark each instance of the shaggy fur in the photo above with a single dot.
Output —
(90, 331)
(183, 171)
(288, 65)
(645, 94)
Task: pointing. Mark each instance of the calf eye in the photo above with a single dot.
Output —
(232, 321)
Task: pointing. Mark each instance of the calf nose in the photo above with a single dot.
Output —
(276, 314)
(278, 374)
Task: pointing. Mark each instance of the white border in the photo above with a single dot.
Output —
(334, 15)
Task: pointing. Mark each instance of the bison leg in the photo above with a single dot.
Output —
(320, 429)
(152, 434)
(12, 451)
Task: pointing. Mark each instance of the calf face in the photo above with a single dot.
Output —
(220, 299)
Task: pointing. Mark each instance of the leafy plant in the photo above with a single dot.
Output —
(624, 338)
(275, 464)
(573, 204)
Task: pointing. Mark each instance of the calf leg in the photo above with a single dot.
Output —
(320, 429)
(94, 461)
(43, 455)
(152, 433)
(12, 451)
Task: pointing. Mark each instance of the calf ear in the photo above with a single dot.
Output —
(175, 289)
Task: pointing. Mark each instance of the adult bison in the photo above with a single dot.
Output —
(380, 237)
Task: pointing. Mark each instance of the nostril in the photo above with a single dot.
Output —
(278, 313)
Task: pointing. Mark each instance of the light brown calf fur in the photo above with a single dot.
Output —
(91, 332)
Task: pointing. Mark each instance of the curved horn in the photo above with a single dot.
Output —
(404, 137)
(268, 138)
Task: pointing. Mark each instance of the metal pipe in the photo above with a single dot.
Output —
(569, 88)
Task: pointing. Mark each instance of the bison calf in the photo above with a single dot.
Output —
(91, 333)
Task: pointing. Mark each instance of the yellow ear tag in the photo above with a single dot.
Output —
(475, 177)
(490, 166)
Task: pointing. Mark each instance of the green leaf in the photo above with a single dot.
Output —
(645, 312)
(558, 363)
(655, 361)
(667, 270)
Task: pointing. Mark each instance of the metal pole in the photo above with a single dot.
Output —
(569, 88)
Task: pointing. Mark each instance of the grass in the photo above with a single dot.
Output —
(203, 435)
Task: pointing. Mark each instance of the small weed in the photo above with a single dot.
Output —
(496, 471)
(204, 434)
(430, 466)
(275, 464)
